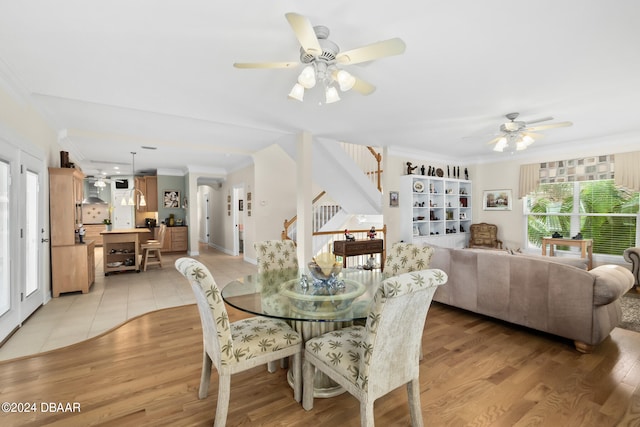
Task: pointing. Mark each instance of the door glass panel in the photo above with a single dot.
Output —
(31, 231)
(5, 290)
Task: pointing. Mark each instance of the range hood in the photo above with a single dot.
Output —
(93, 200)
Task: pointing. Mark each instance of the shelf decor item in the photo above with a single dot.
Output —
(496, 200)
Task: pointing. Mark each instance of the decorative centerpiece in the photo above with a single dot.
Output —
(324, 293)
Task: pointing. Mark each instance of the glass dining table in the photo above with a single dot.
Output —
(311, 307)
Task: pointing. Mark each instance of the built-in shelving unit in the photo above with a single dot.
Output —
(435, 210)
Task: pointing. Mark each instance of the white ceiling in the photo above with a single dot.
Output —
(116, 75)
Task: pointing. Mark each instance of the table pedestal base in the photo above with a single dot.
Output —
(322, 384)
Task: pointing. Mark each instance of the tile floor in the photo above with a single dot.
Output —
(74, 317)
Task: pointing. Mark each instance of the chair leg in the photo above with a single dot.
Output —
(366, 413)
(205, 377)
(297, 377)
(159, 256)
(413, 392)
(145, 259)
(308, 374)
(272, 366)
(222, 407)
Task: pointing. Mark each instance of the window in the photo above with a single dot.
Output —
(596, 209)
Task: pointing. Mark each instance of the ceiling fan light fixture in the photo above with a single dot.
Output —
(99, 183)
(297, 92)
(331, 95)
(501, 145)
(345, 80)
(307, 77)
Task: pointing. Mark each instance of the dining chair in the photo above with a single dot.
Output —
(277, 262)
(236, 346)
(152, 249)
(407, 257)
(372, 360)
(276, 255)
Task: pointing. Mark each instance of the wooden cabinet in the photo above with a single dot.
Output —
(435, 210)
(179, 238)
(148, 185)
(347, 248)
(73, 268)
(151, 193)
(72, 264)
(176, 239)
(65, 204)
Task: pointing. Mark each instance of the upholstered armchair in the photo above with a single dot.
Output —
(236, 346)
(370, 361)
(407, 257)
(484, 235)
(632, 255)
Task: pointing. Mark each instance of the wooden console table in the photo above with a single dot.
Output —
(346, 248)
(586, 247)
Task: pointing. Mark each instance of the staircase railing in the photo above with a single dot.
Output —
(368, 163)
(368, 159)
(322, 213)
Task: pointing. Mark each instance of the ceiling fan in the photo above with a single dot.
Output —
(520, 134)
(322, 58)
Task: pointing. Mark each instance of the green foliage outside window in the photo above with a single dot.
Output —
(597, 209)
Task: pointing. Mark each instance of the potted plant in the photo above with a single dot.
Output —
(107, 223)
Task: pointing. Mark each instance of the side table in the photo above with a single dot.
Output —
(586, 247)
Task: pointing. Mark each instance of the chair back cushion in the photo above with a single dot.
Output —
(483, 235)
(393, 332)
(276, 255)
(213, 314)
(407, 257)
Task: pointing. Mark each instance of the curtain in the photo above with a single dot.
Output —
(529, 179)
(627, 170)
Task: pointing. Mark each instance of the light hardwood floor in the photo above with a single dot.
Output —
(475, 372)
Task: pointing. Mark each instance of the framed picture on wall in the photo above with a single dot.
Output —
(171, 199)
(393, 199)
(496, 200)
(240, 205)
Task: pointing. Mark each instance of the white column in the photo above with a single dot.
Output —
(304, 198)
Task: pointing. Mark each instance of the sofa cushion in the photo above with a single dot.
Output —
(612, 281)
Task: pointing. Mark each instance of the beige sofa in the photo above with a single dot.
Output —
(547, 294)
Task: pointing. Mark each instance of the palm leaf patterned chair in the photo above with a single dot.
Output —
(277, 263)
(406, 257)
(370, 361)
(236, 346)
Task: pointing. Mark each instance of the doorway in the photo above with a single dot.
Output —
(238, 219)
(22, 236)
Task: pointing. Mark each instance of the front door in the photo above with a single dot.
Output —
(33, 239)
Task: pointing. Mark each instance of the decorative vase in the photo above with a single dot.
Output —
(108, 226)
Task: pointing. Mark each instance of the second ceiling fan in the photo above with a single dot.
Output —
(321, 59)
(520, 134)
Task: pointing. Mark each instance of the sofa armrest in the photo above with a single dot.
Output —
(632, 255)
(611, 282)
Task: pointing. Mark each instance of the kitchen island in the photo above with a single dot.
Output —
(121, 249)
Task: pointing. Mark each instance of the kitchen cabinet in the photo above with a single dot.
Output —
(72, 263)
(121, 250)
(73, 268)
(176, 239)
(148, 185)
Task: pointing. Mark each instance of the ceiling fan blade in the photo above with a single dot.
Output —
(265, 64)
(494, 140)
(551, 126)
(363, 87)
(533, 135)
(544, 119)
(373, 51)
(305, 33)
